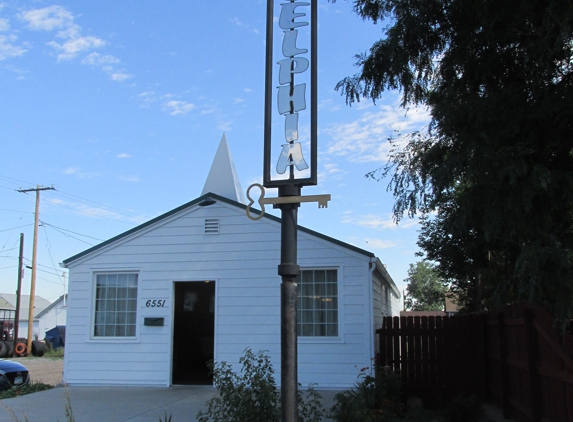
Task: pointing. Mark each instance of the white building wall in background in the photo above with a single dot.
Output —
(242, 259)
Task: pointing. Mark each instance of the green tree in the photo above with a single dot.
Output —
(492, 175)
(426, 291)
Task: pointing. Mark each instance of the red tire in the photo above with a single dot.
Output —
(20, 349)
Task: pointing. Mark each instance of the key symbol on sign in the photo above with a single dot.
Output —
(321, 199)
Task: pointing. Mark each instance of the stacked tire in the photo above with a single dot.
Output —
(7, 348)
(38, 348)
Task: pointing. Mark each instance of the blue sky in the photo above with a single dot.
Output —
(121, 106)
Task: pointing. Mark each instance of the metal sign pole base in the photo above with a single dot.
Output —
(289, 270)
(289, 376)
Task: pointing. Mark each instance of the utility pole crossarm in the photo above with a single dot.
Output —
(36, 189)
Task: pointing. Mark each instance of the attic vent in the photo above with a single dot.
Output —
(211, 226)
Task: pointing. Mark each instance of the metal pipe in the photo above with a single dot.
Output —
(289, 270)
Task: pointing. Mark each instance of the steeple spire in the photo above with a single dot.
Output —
(222, 178)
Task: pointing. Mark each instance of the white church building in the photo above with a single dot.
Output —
(153, 305)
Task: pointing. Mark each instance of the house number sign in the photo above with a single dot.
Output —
(155, 303)
(290, 157)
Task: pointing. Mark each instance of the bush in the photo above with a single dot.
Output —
(32, 387)
(463, 409)
(252, 395)
(374, 398)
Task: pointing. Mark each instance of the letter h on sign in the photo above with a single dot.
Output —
(286, 103)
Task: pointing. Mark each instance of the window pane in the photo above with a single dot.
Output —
(318, 303)
(116, 305)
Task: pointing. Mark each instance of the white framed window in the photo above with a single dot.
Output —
(317, 303)
(115, 305)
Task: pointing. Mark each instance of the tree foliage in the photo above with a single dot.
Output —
(492, 175)
(426, 289)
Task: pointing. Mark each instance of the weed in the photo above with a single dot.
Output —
(252, 395)
(32, 387)
(165, 418)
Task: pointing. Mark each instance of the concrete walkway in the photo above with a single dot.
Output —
(114, 404)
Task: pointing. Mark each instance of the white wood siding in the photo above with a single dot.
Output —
(243, 260)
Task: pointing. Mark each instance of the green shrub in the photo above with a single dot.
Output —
(54, 353)
(463, 409)
(32, 387)
(374, 398)
(252, 395)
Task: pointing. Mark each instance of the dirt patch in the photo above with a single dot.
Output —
(46, 370)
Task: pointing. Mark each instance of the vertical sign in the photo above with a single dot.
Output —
(290, 95)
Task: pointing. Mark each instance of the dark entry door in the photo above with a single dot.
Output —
(194, 332)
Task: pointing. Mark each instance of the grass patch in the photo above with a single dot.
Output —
(32, 387)
(54, 353)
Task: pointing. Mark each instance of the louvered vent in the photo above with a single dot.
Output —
(211, 226)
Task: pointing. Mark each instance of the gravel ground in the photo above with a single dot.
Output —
(46, 370)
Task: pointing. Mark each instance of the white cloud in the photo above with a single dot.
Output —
(96, 59)
(365, 139)
(134, 179)
(123, 155)
(98, 212)
(147, 98)
(81, 174)
(248, 90)
(120, 76)
(74, 46)
(8, 49)
(376, 222)
(175, 107)
(224, 126)
(58, 17)
(236, 21)
(238, 101)
(48, 18)
(379, 243)
(4, 25)
(71, 170)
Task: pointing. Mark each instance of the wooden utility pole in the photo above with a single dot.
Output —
(18, 293)
(37, 189)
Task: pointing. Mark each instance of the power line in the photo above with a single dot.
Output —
(79, 234)
(103, 206)
(89, 213)
(26, 212)
(15, 181)
(14, 228)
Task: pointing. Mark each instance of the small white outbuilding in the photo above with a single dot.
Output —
(153, 305)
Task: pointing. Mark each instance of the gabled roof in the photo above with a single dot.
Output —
(52, 305)
(195, 202)
(39, 304)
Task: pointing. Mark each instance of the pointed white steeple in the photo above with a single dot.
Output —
(223, 179)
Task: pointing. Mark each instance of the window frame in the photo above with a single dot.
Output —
(324, 339)
(92, 328)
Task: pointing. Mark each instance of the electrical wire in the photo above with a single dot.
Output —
(14, 228)
(89, 213)
(100, 205)
(79, 234)
(48, 247)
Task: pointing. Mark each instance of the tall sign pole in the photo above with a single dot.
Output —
(290, 160)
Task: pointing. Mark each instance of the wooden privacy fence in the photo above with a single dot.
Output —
(516, 359)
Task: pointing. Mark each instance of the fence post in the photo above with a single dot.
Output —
(505, 381)
(533, 362)
(480, 354)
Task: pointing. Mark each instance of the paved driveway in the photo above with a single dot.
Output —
(113, 404)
